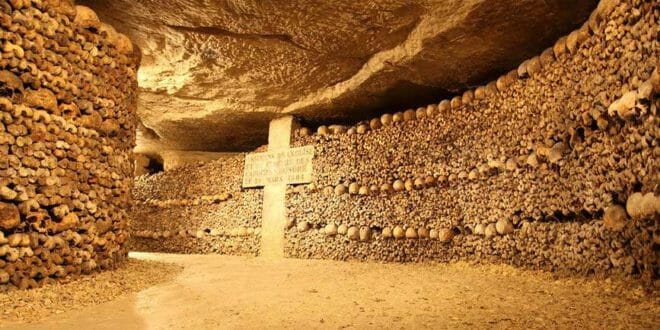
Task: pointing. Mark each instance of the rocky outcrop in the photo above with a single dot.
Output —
(215, 72)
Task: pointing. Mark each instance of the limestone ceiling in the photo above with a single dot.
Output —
(215, 72)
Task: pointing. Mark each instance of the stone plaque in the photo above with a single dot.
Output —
(286, 166)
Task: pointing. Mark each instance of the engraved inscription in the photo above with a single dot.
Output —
(287, 166)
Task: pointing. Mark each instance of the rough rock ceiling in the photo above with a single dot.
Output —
(215, 72)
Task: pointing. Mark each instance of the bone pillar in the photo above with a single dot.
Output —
(68, 92)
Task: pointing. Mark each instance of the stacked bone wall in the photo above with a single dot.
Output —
(67, 102)
(197, 208)
(552, 166)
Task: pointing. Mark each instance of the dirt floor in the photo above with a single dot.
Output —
(23, 306)
(222, 292)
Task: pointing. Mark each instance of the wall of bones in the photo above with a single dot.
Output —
(197, 208)
(552, 166)
(67, 103)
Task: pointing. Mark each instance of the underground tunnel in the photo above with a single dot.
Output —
(410, 164)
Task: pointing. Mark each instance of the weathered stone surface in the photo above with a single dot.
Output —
(177, 158)
(215, 72)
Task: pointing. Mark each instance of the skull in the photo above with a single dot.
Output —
(69, 110)
(10, 85)
(42, 99)
(9, 216)
(86, 18)
(38, 220)
(109, 33)
(64, 7)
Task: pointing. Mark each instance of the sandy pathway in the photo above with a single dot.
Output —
(236, 293)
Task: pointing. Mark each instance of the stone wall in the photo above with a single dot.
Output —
(177, 158)
(552, 166)
(197, 208)
(67, 104)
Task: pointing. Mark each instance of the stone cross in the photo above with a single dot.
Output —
(274, 170)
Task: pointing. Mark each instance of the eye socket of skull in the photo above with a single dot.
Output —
(69, 110)
(108, 32)
(37, 217)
